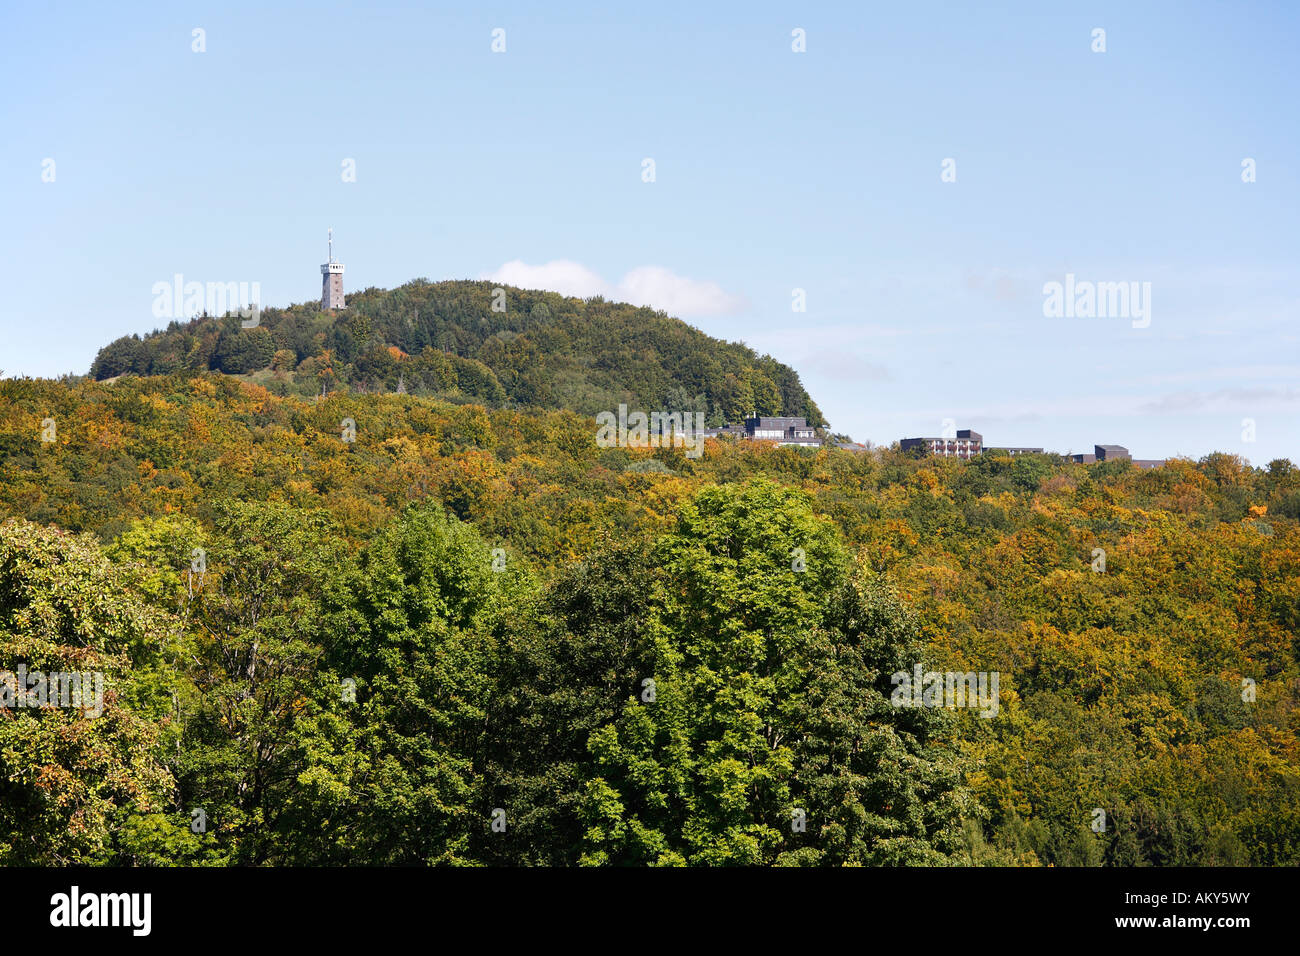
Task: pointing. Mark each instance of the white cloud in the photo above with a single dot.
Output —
(677, 295)
(652, 286)
(561, 275)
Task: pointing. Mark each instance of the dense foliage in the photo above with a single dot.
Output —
(432, 644)
(536, 349)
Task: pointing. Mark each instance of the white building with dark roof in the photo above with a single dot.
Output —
(782, 429)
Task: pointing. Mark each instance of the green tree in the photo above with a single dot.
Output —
(69, 777)
(254, 620)
(770, 736)
(393, 776)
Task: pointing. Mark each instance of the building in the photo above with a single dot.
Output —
(1008, 450)
(1115, 453)
(1102, 453)
(331, 291)
(966, 444)
(782, 429)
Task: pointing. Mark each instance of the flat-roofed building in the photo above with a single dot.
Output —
(965, 444)
(1102, 453)
(782, 429)
(1013, 451)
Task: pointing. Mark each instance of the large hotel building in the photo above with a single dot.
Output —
(967, 444)
(963, 445)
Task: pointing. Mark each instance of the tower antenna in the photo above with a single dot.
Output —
(331, 258)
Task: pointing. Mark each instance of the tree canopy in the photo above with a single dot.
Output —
(398, 629)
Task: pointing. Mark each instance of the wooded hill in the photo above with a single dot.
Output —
(444, 339)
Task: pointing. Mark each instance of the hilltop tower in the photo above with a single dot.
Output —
(331, 273)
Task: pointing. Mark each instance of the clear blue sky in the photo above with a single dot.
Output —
(774, 171)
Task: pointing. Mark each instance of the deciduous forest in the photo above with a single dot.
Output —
(471, 636)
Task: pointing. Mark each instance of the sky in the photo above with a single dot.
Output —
(915, 177)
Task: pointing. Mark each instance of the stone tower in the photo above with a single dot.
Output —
(331, 289)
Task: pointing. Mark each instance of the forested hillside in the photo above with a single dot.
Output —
(470, 635)
(536, 349)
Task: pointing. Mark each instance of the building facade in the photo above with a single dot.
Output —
(1013, 451)
(1102, 453)
(782, 429)
(965, 444)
